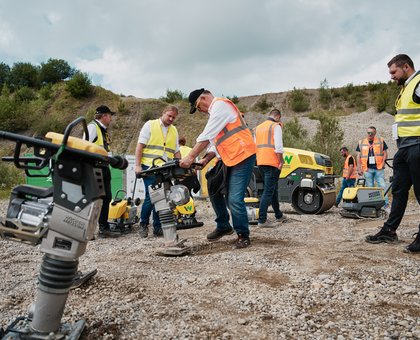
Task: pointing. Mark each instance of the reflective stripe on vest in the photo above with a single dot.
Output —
(235, 143)
(408, 111)
(158, 145)
(264, 135)
(378, 151)
(346, 168)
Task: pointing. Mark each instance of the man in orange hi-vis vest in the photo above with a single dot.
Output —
(349, 173)
(227, 134)
(371, 155)
(269, 140)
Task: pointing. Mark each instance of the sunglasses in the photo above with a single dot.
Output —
(370, 133)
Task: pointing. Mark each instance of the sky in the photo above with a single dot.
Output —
(231, 47)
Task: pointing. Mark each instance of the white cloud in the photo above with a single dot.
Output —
(235, 47)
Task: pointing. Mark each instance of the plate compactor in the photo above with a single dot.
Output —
(62, 219)
(306, 181)
(363, 202)
(123, 211)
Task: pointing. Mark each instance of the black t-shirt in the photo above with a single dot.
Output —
(371, 153)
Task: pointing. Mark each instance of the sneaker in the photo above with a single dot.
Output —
(218, 234)
(158, 232)
(384, 235)
(242, 242)
(266, 224)
(143, 230)
(105, 232)
(414, 247)
(282, 219)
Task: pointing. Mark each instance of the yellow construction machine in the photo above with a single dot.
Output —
(306, 181)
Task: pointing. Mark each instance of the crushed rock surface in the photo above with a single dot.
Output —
(312, 277)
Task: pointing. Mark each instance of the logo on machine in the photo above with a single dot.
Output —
(74, 222)
(375, 194)
(288, 158)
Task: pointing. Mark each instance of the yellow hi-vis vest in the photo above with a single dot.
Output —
(158, 145)
(408, 112)
(264, 136)
(103, 138)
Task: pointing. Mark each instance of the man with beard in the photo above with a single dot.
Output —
(406, 164)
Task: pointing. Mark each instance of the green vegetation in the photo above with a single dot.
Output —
(173, 96)
(327, 139)
(325, 95)
(298, 101)
(262, 105)
(79, 86)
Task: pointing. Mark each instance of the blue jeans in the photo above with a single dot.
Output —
(147, 207)
(270, 194)
(347, 183)
(238, 179)
(373, 175)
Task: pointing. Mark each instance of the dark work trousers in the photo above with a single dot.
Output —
(406, 166)
(103, 217)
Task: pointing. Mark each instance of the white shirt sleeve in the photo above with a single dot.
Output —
(220, 114)
(144, 134)
(92, 132)
(278, 139)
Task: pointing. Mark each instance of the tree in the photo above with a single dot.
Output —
(173, 96)
(79, 85)
(4, 74)
(298, 101)
(24, 74)
(54, 70)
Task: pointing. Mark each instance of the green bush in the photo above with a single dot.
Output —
(10, 177)
(79, 86)
(328, 138)
(294, 135)
(234, 99)
(173, 96)
(298, 101)
(46, 92)
(25, 94)
(262, 104)
(325, 95)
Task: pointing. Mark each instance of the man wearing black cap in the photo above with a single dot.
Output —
(98, 134)
(227, 133)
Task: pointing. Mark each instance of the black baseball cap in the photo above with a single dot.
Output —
(192, 98)
(104, 109)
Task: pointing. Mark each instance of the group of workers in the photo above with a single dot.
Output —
(371, 156)
(228, 137)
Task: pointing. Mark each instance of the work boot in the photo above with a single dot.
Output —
(282, 219)
(266, 224)
(107, 232)
(158, 232)
(143, 230)
(414, 247)
(218, 234)
(384, 235)
(242, 242)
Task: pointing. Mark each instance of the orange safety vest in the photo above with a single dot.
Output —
(235, 143)
(264, 136)
(346, 168)
(378, 151)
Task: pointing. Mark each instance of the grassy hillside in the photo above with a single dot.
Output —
(34, 113)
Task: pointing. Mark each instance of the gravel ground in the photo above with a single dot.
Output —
(312, 277)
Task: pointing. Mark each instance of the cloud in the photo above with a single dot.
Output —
(235, 47)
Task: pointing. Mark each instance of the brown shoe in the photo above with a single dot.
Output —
(217, 234)
(242, 242)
